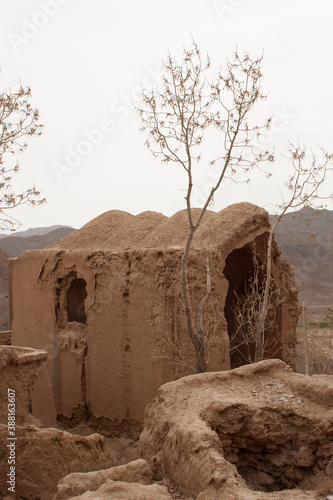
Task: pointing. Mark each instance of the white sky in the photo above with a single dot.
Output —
(85, 62)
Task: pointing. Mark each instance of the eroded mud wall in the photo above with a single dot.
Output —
(104, 367)
(38, 319)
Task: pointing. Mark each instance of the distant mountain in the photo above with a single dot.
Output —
(35, 231)
(306, 241)
(33, 239)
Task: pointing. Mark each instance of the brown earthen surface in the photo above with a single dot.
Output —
(75, 484)
(117, 490)
(121, 231)
(42, 400)
(259, 431)
(45, 456)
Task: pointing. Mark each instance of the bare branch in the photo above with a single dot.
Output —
(18, 121)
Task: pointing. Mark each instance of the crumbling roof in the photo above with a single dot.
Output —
(117, 230)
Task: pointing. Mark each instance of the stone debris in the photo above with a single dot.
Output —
(272, 391)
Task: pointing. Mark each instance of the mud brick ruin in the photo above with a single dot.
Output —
(96, 300)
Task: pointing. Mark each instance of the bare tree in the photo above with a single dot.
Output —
(18, 120)
(177, 116)
(304, 186)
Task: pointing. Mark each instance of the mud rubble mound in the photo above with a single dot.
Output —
(116, 490)
(133, 481)
(256, 432)
(45, 456)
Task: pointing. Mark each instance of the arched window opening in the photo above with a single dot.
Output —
(76, 296)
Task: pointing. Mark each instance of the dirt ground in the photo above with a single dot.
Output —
(257, 432)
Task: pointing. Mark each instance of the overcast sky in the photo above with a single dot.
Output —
(85, 62)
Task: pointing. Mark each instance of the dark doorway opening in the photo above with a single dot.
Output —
(76, 296)
(239, 271)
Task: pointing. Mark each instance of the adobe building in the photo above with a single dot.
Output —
(102, 301)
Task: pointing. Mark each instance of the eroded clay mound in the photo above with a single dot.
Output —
(118, 231)
(131, 481)
(113, 490)
(44, 456)
(259, 431)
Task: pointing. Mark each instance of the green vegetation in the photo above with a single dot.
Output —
(321, 324)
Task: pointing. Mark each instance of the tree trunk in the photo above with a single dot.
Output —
(197, 338)
(259, 347)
